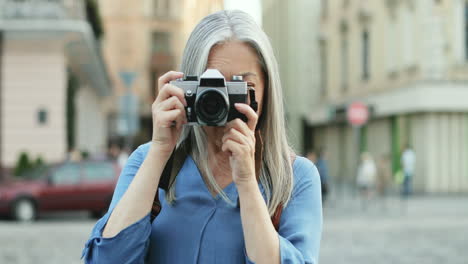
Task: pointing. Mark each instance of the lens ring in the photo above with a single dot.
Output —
(211, 107)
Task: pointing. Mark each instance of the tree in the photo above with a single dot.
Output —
(23, 164)
(93, 17)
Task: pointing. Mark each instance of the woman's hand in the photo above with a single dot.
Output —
(168, 112)
(239, 140)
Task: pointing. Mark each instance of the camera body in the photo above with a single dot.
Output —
(210, 99)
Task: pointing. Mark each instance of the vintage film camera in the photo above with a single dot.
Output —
(210, 99)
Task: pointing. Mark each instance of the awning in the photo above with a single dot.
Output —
(80, 45)
(423, 96)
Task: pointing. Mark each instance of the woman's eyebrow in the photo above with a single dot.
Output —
(247, 74)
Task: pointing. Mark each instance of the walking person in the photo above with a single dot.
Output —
(384, 178)
(322, 167)
(408, 161)
(366, 179)
(240, 194)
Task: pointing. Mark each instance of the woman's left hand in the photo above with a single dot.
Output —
(239, 140)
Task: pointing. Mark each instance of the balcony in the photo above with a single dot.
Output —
(42, 9)
(58, 21)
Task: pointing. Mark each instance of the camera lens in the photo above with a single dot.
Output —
(211, 107)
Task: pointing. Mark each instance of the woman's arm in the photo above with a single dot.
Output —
(298, 238)
(131, 243)
(138, 199)
(168, 117)
(261, 239)
(260, 236)
(300, 228)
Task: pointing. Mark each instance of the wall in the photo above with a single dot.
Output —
(90, 122)
(33, 77)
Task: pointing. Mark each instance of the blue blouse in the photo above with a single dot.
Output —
(200, 228)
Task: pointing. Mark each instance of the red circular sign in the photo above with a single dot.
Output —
(358, 114)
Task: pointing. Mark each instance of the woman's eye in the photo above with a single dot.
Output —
(251, 84)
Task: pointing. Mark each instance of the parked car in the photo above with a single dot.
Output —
(68, 186)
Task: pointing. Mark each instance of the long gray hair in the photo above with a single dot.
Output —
(276, 171)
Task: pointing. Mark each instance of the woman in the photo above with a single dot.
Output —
(216, 211)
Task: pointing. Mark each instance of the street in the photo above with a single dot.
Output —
(429, 230)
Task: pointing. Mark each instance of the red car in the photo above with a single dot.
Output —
(87, 185)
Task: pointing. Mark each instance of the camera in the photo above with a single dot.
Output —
(210, 98)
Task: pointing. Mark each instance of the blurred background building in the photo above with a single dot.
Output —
(406, 60)
(70, 65)
(53, 80)
(143, 40)
(81, 75)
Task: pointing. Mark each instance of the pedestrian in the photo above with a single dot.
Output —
(123, 157)
(366, 179)
(240, 196)
(408, 160)
(384, 178)
(322, 167)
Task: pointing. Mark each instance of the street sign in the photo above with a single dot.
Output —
(358, 114)
(127, 78)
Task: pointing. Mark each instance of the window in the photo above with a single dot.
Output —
(161, 59)
(391, 53)
(407, 29)
(345, 3)
(365, 55)
(324, 8)
(42, 116)
(466, 31)
(323, 68)
(68, 174)
(160, 42)
(344, 62)
(95, 172)
(161, 8)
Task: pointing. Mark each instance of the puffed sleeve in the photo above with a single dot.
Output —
(129, 245)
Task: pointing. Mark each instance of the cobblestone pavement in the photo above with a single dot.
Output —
(55, 239)
(424, 230)
(429, 230)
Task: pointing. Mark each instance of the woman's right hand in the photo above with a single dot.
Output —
(168, 111)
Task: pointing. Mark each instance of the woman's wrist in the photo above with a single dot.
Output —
(247, 186)
(158, 152)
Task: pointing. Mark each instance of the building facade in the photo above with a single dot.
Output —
(292, 27)
(43, 46)
(407, 60)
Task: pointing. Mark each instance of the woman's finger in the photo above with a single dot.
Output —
(171, 103)
(174, 103)
(167, 118)
(232, 147)
(239, 125)
(236, 136)
(168, 91)
(252, 117)
(169, 76)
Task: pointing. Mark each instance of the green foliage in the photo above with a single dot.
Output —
(84, 155)
(25, 165)
(72, 89)
(39, 162)
(94, 18)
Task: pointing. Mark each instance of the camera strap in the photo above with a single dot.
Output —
(177, 160)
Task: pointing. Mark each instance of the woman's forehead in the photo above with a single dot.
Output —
(234, 58)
